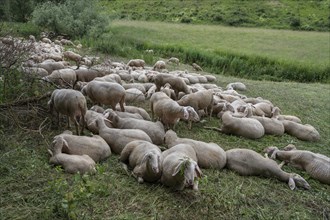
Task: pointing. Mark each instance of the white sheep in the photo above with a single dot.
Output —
(174, 60)
(105, 93)
(145, 160)
(180, 168)
(70, 55)
(123, 114)
(236, 86)
(316, 165)
(134, 95)
(90, 121)
(159, 65)
(169, 111)
(94, 146)
(197, 67)
(118, 138)
(245, 127)
(155, 130)
(138, 110)
(71, 103)
(247, 162)
(62, 77)
(303, 132)
(70, 163)
(136, 63)
(209, 155)
(176, 83)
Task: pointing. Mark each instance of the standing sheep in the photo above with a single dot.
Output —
(136, 63)
(159, 65)
(71, 103)
(105, 93)
(144, 158)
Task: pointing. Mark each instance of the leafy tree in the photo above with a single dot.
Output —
(73, 18)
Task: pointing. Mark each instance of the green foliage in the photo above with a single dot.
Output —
(73, 18)
(284, 14)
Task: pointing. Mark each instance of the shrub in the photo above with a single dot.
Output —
(73, 18)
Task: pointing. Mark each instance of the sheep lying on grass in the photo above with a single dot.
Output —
(94, 146)
(118, 138)
(247, 162)
(180, 168)
(144, 158)
(303, 132)
(155, 130)
(70, 163)
(71, 103)
(316, 165)
(209, 155)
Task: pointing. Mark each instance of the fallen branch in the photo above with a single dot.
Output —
(25, 101)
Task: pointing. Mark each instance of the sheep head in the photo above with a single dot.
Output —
(189, 169)
(112, 116)
(153, 161)
(271, 151)
(290, 147)
(190, 114)
(296, 180)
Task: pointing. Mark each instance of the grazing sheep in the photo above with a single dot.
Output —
(169, 111)
(117, 139)
(71, 103)
(316, 165)
(94, 146)
(176, 83)
(201, 100)
(174, 60)
(87, 75)
(105, 93)
(236, 86)
(303, 132)
(197, 67)
(138, 110)
(62, 77)
(245, 127)
(70, 163)
(145, 160)
(247, 162)
(155, 130)
(70, 55)
(209, 155)
(159, 65)
(136, 63)
(125, 114)
(134, 95)
(180, 168)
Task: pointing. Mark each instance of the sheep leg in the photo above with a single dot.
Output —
(189, 124)
(121, 103)
(281, 164)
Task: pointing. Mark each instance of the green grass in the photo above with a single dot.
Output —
(32, 189)
(278, 14)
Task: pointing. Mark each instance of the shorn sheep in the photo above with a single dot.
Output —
(70, 163)
(105, 93)
(209, 155)
(71, 103)
(247, 162)
(170, 112)
(145, 160)
(94, 146)
(316, 165)
(180, 168)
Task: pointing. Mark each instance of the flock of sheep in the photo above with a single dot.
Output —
(129, 131)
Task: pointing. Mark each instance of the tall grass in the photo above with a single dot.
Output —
(243, 52)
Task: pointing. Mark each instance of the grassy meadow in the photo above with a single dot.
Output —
(252, 53)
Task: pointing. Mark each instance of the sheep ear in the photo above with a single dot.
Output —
(106, 115)
(292, 184)
(178, 168)
(185, 113)
(198, 171)
(145, 157)
(50, 152)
